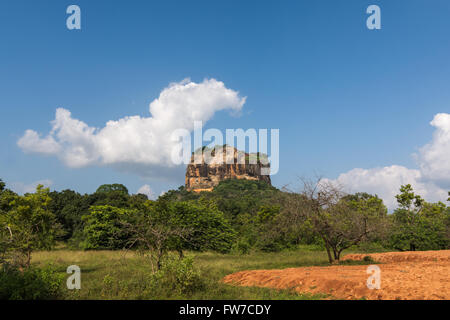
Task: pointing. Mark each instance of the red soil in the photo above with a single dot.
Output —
(423, 275)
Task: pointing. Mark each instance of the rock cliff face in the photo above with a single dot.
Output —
(210, 166)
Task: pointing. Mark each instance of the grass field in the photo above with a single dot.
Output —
(123, 275)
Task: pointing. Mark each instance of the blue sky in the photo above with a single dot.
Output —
(343, 96)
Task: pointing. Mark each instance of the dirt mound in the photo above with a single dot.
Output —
(410, 256)
(404, 275)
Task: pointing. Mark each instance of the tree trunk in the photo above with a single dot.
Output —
(336, 254)
(339, 255)
(159, 257)
(28, 259)
(330, 258)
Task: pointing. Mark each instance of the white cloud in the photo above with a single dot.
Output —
(22, 188)
(385, 182)
(434, 158)
(31, 142)
(138, 144)
(145, 189)
(431, 180)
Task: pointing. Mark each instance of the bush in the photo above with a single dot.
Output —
(180, 275)
(103, 229)
(209, 230)
(177, 279)
(272, 246)
(30, 284)
(242, 246)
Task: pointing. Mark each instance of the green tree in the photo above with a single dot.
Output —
(30, 224)
(209, 230)
(153, 231)
(137, 201)
(69, 207)
(267, 213)
(418, 225)
(275, 231)
(106, 188)
(103, 228)
(239, 200)
(340, 221)
(108, 195)
(6, 197)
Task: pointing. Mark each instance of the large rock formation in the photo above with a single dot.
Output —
(210, 166)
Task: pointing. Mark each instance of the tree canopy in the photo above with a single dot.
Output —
(106, 188)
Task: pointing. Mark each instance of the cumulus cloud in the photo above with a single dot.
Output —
(385, 182)
(145, 189)
(434, 158)
(431, 180)
(31, 142)
(135, 143)
(22, 188)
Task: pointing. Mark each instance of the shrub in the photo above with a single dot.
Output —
(30, 284)
(418, 225)
(272, 246)
(180, 275)
(30, 224)
(103, 230)
(177, 279)
(209, 230)
(242, 246)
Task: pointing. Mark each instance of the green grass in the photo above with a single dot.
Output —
(122, 275)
